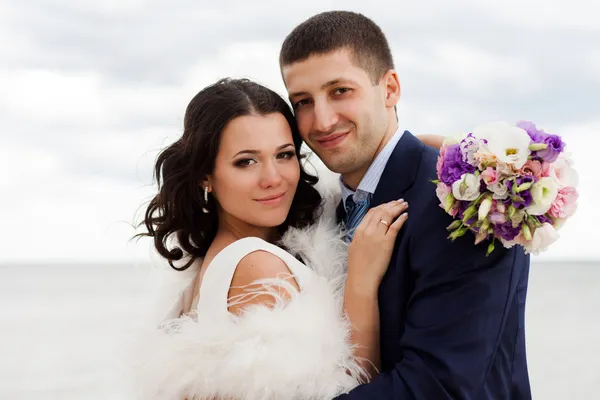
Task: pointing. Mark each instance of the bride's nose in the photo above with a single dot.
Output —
(270, 175)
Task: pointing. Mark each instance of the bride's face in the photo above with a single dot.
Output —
(256, 170)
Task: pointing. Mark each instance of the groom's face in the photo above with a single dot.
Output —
(341, 114)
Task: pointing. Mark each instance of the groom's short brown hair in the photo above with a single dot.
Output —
(335, 30)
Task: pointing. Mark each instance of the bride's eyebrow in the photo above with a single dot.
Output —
(283, 146)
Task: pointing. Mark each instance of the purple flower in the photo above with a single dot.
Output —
(544, 219)
(497, 218)
(527, 199)
(554, 142)
(537, 136)
(506, 231)
(555, 147)
(454, 166)
(524, 195)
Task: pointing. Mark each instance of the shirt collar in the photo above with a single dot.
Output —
(368, 183)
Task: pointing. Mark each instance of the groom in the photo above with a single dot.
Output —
(452, 319)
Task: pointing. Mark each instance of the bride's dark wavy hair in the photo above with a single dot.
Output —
(184, 165)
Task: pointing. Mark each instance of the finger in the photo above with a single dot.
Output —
(392, 232)
(387, 212)
(377, 215)
(396, 209)
(382, 225)
(390, 213)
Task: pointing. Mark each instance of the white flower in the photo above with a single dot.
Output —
(484, 208)
(563, 171)
(543, 237)
(499, 189)
(468, 147)
(466, 188)
(508, 143)
(543, 194)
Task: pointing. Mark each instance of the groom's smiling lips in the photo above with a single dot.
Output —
(332, 140)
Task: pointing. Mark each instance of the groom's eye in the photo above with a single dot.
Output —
(302, 102)
(339, 91)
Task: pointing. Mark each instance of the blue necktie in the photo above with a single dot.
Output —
(355, 212)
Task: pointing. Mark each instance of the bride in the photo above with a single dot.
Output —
(278, 306)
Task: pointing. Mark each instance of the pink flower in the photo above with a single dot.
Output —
(489, 176)
(520, 239)
(547, 170)
(543, 237)
(564, 172)
(444, 194)
(565, 204)
(442, 190)
(532, 168)
(440, 160)
(454, 210)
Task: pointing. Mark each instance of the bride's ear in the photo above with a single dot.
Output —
(206, 184)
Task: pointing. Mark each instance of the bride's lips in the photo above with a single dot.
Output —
(270, 200)
(332, 140)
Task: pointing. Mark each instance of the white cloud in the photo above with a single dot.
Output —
(82, 116)
(592, 64)
(543, 14)
(479, 71)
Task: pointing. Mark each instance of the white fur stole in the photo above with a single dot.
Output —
(300, 349)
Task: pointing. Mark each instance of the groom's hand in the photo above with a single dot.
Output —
(432, 140)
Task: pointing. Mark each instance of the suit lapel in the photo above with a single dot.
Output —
(400, 171)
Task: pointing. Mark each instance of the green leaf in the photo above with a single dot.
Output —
(455, 225)
(490, 248)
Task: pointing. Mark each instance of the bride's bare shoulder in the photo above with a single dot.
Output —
(253, 268)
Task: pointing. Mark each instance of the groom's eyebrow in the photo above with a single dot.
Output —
(283, 146)
(327, 84)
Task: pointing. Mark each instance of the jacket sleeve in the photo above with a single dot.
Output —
(455, 315)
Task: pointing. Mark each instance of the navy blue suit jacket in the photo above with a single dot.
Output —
(452, 319)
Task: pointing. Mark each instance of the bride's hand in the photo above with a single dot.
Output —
(370, 251)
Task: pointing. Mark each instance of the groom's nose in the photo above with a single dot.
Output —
(325, 117)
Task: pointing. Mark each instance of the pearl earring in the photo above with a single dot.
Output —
(204, 209)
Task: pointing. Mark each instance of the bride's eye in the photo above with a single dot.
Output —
(286, 155)
(245, 162)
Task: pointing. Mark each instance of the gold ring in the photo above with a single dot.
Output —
(384, 222)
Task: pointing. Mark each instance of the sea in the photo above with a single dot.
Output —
(61, 329)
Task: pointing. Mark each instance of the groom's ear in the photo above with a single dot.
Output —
(391, 84)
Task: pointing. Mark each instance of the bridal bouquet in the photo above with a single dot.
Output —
(512, 184)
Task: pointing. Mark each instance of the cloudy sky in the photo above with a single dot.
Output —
(91, 90)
